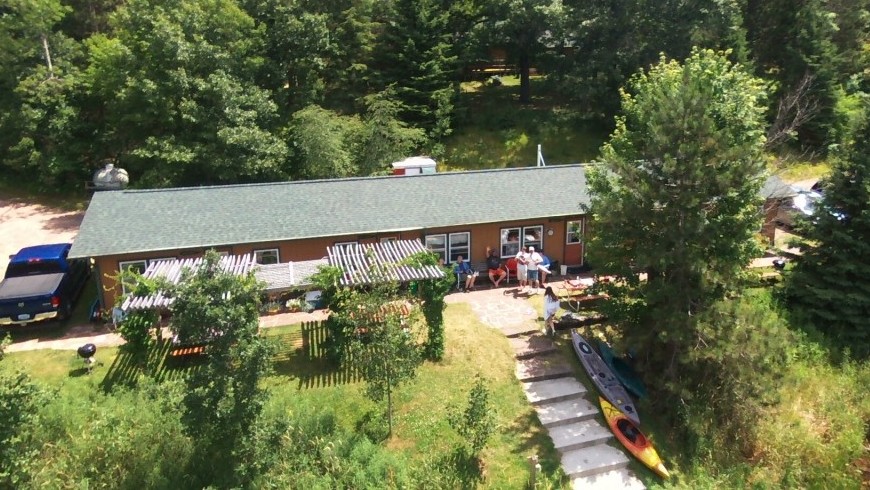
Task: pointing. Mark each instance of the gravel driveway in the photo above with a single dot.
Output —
(24, 223)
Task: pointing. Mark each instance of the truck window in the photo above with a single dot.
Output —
(33, 268)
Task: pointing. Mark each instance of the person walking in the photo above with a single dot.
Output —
(532, 263)
(551, 306)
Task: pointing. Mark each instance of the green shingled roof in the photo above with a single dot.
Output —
(130, 221)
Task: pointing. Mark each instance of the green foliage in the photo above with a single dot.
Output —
(175, 84)
(378, 337)
(730, 382)
(476, 422)
(4, 343)
(432, 293)
(385, 138)
(829, 284)
(676, 197)
(224, 400)
(126, 439)
(323, 146)
(313, 451)
(417, 60)
(20, 402)
(135, 328)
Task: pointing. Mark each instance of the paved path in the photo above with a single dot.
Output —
(590, 455)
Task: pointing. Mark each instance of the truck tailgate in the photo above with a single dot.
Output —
(29, 286)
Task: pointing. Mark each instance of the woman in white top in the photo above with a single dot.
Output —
(551, 306)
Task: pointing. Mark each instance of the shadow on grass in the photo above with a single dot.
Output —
(156, 362)
(301, 354)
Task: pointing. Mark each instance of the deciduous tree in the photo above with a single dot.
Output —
(224, 398)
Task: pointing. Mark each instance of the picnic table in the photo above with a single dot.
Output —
(576, 291)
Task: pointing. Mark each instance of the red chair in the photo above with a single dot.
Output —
(511, 268)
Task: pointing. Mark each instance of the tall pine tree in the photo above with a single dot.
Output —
(831, 281)
(676, 197)
(417, 59)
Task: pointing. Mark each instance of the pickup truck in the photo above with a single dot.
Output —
(41, 284)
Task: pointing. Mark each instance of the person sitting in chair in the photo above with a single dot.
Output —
(465, 276)
(493, 264)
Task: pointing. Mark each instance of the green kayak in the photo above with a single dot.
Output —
(622, 370)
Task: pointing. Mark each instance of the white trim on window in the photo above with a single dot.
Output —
(510, 242)
(134, 265)
(267, 256)
(459, 243)
(574, 232)
(344, 245)
(438, 244)
(533, 236)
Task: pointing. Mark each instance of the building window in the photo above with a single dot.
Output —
(388, 239)
(510, 242)
(437, 244)
(574, 232)
(345, 246)
(460, 244)
(533, 236)
(137, 266)
(267, 256)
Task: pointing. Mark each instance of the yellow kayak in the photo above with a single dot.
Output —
(633, 440)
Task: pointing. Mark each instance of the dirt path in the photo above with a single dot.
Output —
(24, 223)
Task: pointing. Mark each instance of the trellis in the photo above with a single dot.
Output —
(365, 263)
(172, 270)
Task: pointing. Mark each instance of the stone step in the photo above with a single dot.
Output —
(578, 435)
(593, 460)
(543, 367)
(622, 478)
(553, 390)
(518, 330)
(532, 345)
(565, 411)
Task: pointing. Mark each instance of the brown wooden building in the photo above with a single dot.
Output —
(455, 213)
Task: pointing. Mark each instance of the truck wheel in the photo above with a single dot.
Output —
(64, 313)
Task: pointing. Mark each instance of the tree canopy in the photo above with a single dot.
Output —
(206, 92)
(676, 195)
(830, 285)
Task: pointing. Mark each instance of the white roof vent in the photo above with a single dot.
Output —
(109, 178)
(414, 166)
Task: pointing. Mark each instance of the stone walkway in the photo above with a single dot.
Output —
(589, 452)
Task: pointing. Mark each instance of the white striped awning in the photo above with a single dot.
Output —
(171, 270)
(360, 262)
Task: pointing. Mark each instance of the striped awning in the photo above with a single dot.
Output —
(372, 262)
(171, 271)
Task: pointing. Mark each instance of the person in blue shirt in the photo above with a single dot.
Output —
(465, 276)
(544, 268)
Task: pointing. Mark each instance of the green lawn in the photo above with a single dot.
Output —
(302, 385)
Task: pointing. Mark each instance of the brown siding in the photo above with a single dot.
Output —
(768, 227)
(482, 235)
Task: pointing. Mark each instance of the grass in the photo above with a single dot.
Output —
(496, 131)
(302, 386)
(796, 169)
